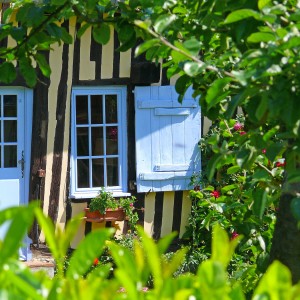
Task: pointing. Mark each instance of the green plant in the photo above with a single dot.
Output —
(105, 200)
(243, 199)
(133, 268)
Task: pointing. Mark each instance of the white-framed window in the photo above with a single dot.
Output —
(98, 141)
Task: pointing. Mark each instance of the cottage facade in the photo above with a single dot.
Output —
(103, 118)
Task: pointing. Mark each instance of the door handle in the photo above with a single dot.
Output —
(22, 163)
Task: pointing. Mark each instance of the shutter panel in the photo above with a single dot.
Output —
(167, 135)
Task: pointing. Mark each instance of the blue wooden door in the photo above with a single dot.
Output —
(12, 152)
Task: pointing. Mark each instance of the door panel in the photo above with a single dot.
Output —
(12, 161)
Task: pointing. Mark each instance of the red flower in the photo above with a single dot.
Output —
(234, 235)
(280, 164)
(215, 194)
(237, 126)
(96, 261)
(243, 132)
(131, 204)
(264, 151)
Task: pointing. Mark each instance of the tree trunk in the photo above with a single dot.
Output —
(286, 239)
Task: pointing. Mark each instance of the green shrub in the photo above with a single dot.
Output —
(133, 267)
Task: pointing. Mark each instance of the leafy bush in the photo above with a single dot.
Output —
(133, 267)
(242, 196)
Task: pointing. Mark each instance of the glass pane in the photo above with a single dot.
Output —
(10, 131)
(112, 172)
(83, 173)
(98, 172)
(10, 156)
(111, 109)
(82, 110)
(97, 141)
(10, 105)
(112, 140)
(96, 110)
(0, 132)
(82, 141)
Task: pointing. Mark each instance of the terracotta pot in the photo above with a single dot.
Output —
(110, 215)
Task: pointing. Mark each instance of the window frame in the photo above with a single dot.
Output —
(90, 192)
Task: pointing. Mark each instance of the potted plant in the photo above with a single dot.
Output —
(105, 207)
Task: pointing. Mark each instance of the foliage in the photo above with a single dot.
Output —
(234, 53)
(105, 200)
(133, 268)
(243, 201)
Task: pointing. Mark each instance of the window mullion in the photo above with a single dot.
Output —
(104, 140)
(90, 142)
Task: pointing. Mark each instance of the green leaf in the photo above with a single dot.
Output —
(233, 170)
(262, 108)
(270, 133)
(258, 37)
(18, 33)
(43, 64)
(28, 72)
(49, 232)
(216, 91)
(87, 250)
(163, 21)
(66, 37)
(18, 227)
(182, 84)
(263, 3)
(193, 69)
(295, 206)
(222, 248)
(193, 45)
(260, 202)
(82, 29)
(125, 33)
(229, 187)
(101, 34)
(212, 280)
(146, 45)
(273, 151)
(241, 14)
(275, 284)
(153, 259)
(7, 72)
(212, 165)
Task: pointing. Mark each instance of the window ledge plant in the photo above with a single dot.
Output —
(105, 207)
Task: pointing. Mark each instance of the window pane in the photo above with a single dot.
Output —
(96, 110)
(97, 141)
(83, 173)
(111, 109)
(10, 131)
(10, 105)
(10, 156)
(112, 172)
(82, 141)
(112, 140)
(82, 110)
(98, 172)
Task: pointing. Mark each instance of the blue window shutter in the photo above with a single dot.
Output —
(167, 135)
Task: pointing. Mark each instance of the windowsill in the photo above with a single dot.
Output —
(84, 195)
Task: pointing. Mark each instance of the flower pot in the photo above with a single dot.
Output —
(110, 215)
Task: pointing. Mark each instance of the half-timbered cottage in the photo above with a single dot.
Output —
(102, 119)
